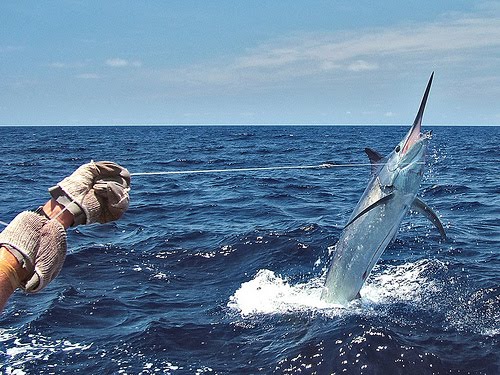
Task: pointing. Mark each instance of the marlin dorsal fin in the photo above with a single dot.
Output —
(371, 207)
(374, 157)
(422, 208)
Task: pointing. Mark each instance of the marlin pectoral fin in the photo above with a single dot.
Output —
(422, 208)
(371, 207)
(374, 157)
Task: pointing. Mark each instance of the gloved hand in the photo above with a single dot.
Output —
(95, 192)
(49, 258)
(22, 237)
(39, 245)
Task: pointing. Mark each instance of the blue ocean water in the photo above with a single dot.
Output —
(221, 273)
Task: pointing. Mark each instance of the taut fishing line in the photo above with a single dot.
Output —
(250, 169)
(253, 169)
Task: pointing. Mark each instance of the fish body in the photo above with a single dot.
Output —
(374, 223)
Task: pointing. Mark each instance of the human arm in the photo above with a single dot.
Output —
(33, 245)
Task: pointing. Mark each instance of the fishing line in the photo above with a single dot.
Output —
(229, 170)
(253, 169)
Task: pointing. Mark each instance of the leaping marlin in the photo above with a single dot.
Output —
(390, 194)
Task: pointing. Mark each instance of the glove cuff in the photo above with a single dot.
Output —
(22, 237)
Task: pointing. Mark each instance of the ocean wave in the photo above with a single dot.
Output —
(478, 312)
(445, 190)
(223, 273)
(19, 352)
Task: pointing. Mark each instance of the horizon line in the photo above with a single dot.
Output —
(238, 124)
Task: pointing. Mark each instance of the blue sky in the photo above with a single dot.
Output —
(248, 62)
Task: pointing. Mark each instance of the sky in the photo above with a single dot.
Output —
(248, 62)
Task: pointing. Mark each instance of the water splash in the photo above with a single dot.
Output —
(268, 293)
(408, 282)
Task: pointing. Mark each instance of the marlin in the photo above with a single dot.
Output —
(374, 223)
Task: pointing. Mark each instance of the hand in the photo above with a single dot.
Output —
(95, 192)
(39, 247)
(49, 258)
(22, 237)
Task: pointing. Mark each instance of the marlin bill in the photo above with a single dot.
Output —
(374, 223)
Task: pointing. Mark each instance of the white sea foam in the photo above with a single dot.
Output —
(268, 293)
(407, 282)
(38, 348)
(32, 347)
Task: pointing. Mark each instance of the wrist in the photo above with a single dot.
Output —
(54, 210)
(11, 268)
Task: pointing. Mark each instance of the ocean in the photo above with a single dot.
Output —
(221, 273)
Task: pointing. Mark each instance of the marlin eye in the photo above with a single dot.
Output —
(398, 148)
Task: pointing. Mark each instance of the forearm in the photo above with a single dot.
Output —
(10, 269)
